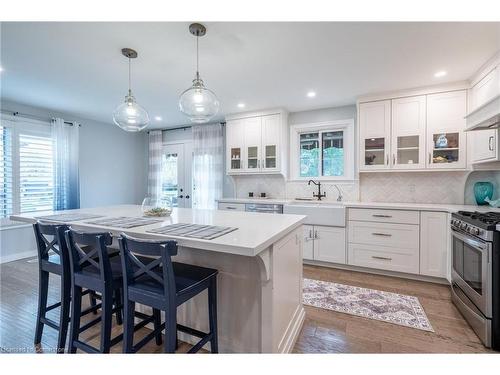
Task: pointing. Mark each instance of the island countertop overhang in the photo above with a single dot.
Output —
(256, 231)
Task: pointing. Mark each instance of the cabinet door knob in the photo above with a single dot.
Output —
(490, 144)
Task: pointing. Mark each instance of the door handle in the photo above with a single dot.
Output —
(393, 159)
(387, 159)
(187, 196)
(430, 157)
(381, 258)
(490, 145)
(316, 234)
(382, 234)
(181, 196)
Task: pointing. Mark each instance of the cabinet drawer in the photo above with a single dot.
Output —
(232, 206)
(403, 237)
(384, 216)
(378, 257)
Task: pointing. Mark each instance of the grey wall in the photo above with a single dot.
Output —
(113, 163)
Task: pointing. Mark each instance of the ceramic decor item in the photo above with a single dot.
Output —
(483, 190)
(495, 203)
(442, 141)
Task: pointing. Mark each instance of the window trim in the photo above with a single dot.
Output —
(347, 126)
(21, 125)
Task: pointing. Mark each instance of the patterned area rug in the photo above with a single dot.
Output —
(367, 303)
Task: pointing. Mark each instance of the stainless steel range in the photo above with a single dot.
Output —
(475, 272)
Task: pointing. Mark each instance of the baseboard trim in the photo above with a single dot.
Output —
(403, 275)
(17, 256)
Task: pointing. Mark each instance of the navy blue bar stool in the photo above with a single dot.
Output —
(53, 258)
(152, 279)
(94, 270)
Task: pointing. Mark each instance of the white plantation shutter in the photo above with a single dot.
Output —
(6, 183)
(36, 172)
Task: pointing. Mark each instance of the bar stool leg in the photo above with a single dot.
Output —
(157, 325)
(93, 302)
(212, 314)
(43, 290)
(171, 330)
(64, 314)
(128, 326)
(106, 320)
(76, 313)
(118, 302)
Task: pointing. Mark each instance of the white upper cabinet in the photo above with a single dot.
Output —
(408, 132)
(256, 143)
(374, 130)
(484, 143)
(415, 132)
(485, 90)
(446, 144)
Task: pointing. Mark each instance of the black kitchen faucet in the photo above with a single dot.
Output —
(318, 184)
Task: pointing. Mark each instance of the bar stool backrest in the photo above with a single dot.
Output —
(47, 240)
(158, 271)
(95, 254)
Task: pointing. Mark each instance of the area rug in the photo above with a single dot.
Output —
(368, 303)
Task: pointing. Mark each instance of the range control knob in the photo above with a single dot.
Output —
(463, 226)
(474, 231)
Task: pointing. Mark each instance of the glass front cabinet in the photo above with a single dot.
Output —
(375, 130)
(413, 132)
(255, 144)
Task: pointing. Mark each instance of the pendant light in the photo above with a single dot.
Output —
(198, 103)
(129, 115)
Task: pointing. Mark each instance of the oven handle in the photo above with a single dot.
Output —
(474, 243)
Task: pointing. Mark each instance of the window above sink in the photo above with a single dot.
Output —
(323, 151)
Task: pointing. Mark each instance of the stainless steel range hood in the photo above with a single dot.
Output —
(485, 117)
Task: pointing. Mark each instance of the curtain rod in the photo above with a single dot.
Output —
(182, 127)
(34, 117)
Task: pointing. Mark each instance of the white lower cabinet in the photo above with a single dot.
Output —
(408, 241)
(324, 243)
(434, 243)
(308, 243)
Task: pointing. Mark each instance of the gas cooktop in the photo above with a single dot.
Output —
(484, 220)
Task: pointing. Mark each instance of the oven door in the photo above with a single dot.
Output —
(471, 269)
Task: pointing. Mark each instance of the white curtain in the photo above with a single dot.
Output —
(66, 177)
(155, 155)
(208, 173)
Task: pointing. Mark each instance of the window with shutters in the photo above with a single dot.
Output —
(26, 167)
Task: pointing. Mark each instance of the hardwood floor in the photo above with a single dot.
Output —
(324, 331)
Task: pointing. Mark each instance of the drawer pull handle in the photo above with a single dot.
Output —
(381, 258)
(230, 208)
(379, 215)
(382, 234)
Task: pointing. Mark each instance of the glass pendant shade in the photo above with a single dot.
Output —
(199, 103)
(130, 116)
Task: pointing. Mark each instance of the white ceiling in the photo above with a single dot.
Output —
(78, 68)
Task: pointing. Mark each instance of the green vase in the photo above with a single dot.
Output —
(483, 190)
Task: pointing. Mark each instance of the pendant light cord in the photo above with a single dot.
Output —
(129, 78)
(197, 57)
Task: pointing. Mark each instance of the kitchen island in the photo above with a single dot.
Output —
(260, 271)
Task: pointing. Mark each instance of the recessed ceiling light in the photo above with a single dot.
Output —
(158, 118)
(241, 105)
(440, 74)
(311, 94)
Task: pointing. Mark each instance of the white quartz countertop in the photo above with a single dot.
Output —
(256, 231)
(381, 205)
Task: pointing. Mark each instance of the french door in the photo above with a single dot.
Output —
(176, 173)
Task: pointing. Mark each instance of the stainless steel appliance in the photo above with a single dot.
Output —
(475, 273)
(264, 207)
